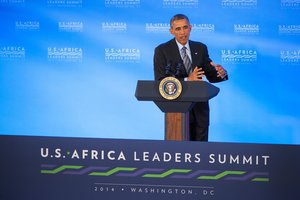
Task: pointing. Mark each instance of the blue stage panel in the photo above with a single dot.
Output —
(34, 167)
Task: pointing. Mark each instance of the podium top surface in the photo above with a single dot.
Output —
(192, 91)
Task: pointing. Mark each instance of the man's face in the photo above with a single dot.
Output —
(181, 30)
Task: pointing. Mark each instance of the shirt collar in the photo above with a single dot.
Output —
(180, 45)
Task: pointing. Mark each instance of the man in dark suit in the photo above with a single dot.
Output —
(196, 64)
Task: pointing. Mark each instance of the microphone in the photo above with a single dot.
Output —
(168, 70)
(179, 69)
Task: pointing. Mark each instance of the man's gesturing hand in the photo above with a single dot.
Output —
(196, 75)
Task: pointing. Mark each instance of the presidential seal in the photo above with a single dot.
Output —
(170, 88)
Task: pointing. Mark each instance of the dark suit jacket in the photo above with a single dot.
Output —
(168, 53)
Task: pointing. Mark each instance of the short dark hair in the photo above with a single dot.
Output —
(178, 17)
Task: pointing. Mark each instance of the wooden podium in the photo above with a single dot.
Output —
(177, 110)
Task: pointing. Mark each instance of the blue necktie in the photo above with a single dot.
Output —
(186, 60)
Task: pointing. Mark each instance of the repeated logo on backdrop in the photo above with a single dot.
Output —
(122, 55)
(204, 28)
(291, 57)
(294, 4)
(12, 53)
(246, 29)
(157, 27)
(114, 27)
(65, 3)
(13, 2)
(122, 3)
(239, 3)
(245, 53)
(289, 29)
(70, 26)
(27, 26)
(180, 4)
(69, 54)
(239, 56)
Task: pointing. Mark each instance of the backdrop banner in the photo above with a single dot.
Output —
(69, 68)
(48, 168)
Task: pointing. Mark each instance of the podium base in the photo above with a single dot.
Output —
(177, 126)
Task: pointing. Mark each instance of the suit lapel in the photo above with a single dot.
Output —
(175, 52)
(194, 53)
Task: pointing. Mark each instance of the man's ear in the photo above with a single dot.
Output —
(171, 31)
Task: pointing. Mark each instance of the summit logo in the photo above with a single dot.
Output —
(239, 4)
(239, 56)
